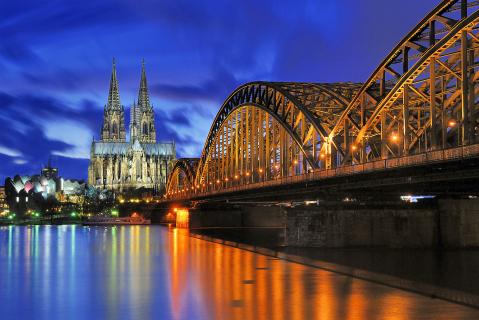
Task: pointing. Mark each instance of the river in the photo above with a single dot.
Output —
(155, 272)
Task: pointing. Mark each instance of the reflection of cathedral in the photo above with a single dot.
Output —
(142, 162)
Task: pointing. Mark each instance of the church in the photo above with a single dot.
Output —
(141, 162)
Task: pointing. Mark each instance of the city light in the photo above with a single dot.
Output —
(236, 176)
(322, 155)
(295, 161)
(354, 147)
(452, 123)
(260, 170)
(114, 212)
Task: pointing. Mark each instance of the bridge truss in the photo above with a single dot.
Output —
(421, 98)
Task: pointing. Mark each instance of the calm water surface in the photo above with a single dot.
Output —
(152, 272)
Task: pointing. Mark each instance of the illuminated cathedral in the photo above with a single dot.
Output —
(141, 162)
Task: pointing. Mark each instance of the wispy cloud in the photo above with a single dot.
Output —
(10, 152)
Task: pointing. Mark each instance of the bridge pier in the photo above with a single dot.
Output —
(450, 223)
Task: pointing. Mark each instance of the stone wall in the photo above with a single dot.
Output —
(459, 223)
(340, 227)
(450, 223)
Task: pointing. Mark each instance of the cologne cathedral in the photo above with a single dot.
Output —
(121, 165)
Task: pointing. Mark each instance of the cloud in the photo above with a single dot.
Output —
(71, 133)
(20, 161)
(10, 152)
(215, 89)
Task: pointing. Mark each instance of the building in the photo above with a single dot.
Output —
(141, 162)
(25, 193)
(3, 202)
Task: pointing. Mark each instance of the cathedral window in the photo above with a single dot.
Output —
(145, 128)
(114, 128)
(138, 168)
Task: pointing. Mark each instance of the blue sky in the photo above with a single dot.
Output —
(55, 63)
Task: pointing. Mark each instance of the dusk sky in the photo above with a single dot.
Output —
(55, 63)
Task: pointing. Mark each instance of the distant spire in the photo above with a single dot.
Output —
(114, 94)
(143, 96)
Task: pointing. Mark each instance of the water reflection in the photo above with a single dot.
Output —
(145, 272)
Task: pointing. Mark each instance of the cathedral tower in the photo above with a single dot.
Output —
(113, 129)
(142, 117)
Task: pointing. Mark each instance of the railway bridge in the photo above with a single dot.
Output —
(411, 127)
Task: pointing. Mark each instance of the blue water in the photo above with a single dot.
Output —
(153, 272)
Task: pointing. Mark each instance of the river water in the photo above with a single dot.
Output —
(154, 272)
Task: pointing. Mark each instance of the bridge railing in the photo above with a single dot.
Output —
(435, 156)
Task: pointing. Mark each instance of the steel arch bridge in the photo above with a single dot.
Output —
(420, 104)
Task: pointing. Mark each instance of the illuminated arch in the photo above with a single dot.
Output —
(415, 100)
(303, 114)
(182, 175)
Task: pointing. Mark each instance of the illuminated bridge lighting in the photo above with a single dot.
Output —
(310, 128)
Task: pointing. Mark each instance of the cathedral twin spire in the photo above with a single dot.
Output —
(142, 120)
(114, 93)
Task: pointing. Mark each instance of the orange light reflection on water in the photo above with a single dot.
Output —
(238, 284)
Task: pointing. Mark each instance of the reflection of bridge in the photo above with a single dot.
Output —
(418, 107)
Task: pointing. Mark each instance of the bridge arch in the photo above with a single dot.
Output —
(267, 130)
(415, 101)
(182, 176)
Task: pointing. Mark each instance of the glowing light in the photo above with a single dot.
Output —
(276, 166)
(182, 218)
(74, 214)
(260, 170)
(354, 147)
(114, 213)
(247, 174)
(451, 123)
(217, 181)
(236, 176)
(394, 137)
(295, 161)
(322, 155)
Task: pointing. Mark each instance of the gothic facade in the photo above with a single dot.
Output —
(141, 162)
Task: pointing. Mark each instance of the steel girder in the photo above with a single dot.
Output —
(415, 101)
